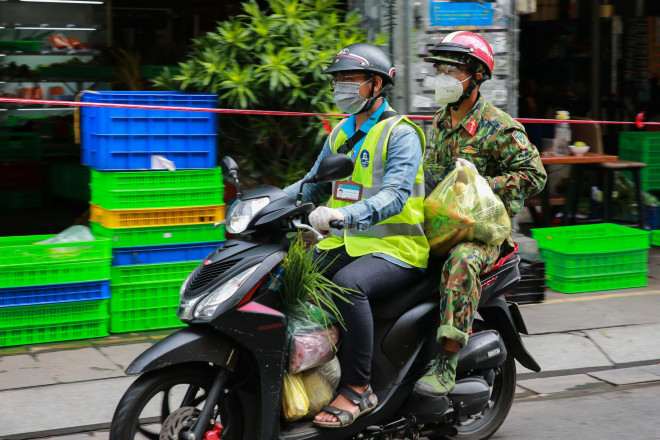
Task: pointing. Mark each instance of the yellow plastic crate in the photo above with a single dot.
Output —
(133, 218)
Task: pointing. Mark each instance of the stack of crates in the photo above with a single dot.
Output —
(53, 292)
(643, 146)
(20, 170)
(160, 223)
(587, 258)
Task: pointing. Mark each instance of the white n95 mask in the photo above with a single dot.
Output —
(448, 89)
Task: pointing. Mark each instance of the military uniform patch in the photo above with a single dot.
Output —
(471, 126)
(521, 139)
(469, 149)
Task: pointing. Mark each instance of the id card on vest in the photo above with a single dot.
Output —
(348, 191)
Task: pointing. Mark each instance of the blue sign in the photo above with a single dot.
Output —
(461, 14)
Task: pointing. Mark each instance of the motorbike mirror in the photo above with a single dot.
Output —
(334, 167)
(229, 169)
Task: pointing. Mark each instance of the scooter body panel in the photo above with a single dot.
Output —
(190, 344)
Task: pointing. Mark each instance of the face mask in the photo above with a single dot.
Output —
(448, 89)
(347, 97)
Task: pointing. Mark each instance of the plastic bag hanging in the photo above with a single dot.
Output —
(295, 403)
(463, 208)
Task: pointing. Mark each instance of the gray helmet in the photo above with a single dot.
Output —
(365, 57)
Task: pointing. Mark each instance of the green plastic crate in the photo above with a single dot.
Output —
(23, 249)
(595, 263)
(596, 283)
(20, 146)
(54, 332)
(154, 236)
(640, 146)
(655, 238)
(156, 189)
(54, 273)
(10, 200)
(148, 274)
(68, 180)
(146, 319)
(24, 263)
(56, 313)
(142, 296)
(584, 239)
(146, 297)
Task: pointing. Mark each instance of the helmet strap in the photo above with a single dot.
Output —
(370, 102)
(466, 94)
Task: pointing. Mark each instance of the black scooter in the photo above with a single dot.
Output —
(221, 376)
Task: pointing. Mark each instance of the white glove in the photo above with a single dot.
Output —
(321, 217)
(466, 163)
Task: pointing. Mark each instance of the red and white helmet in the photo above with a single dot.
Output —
(461, 47)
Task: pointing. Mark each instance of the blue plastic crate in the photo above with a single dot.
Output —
(162, 254)
(54, 293)
(121, 139)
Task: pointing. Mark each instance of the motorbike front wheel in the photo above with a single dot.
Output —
(162, 404)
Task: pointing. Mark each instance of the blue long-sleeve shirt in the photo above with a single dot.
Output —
(404, 156)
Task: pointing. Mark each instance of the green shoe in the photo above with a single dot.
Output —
(440, 380)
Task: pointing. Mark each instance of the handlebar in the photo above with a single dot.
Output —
(337, 224)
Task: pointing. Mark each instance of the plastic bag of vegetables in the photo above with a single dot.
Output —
(320, 383)
(295, 403)
(310, 344)
(463, 208)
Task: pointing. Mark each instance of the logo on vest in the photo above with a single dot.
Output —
(364, 159)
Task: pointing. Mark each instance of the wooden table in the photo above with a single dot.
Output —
(570, 159)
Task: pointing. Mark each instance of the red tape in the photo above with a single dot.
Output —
(638, 119)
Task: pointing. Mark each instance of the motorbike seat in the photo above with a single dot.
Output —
(394, 305)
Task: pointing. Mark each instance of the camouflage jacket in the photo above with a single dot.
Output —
(498, 147)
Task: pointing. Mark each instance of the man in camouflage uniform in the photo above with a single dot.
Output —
(473, 133)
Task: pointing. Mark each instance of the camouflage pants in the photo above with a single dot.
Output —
(460, 287)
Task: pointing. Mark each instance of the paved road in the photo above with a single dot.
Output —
(617, 414)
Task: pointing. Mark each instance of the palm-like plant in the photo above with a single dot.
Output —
(271, 59)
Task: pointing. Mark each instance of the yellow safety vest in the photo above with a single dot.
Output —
(401, 236)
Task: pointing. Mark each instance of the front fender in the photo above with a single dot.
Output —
(190, 344)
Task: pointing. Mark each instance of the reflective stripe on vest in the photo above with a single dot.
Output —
(400, 236)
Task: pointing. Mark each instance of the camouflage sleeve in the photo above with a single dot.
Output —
(520, 173)
(435, 163)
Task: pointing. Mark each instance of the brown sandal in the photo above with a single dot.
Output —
(366, 402)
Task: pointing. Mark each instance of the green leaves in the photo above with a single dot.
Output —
(303, 282)
(271, 59)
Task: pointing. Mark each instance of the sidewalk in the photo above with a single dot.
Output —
(593, 340)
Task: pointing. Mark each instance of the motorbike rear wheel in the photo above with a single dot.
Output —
(490, 419)
(171, 398)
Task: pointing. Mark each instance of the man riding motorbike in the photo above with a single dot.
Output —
(470, 132)
(382, 247)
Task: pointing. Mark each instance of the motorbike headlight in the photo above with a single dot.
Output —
(210, 303)
(242, 212)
